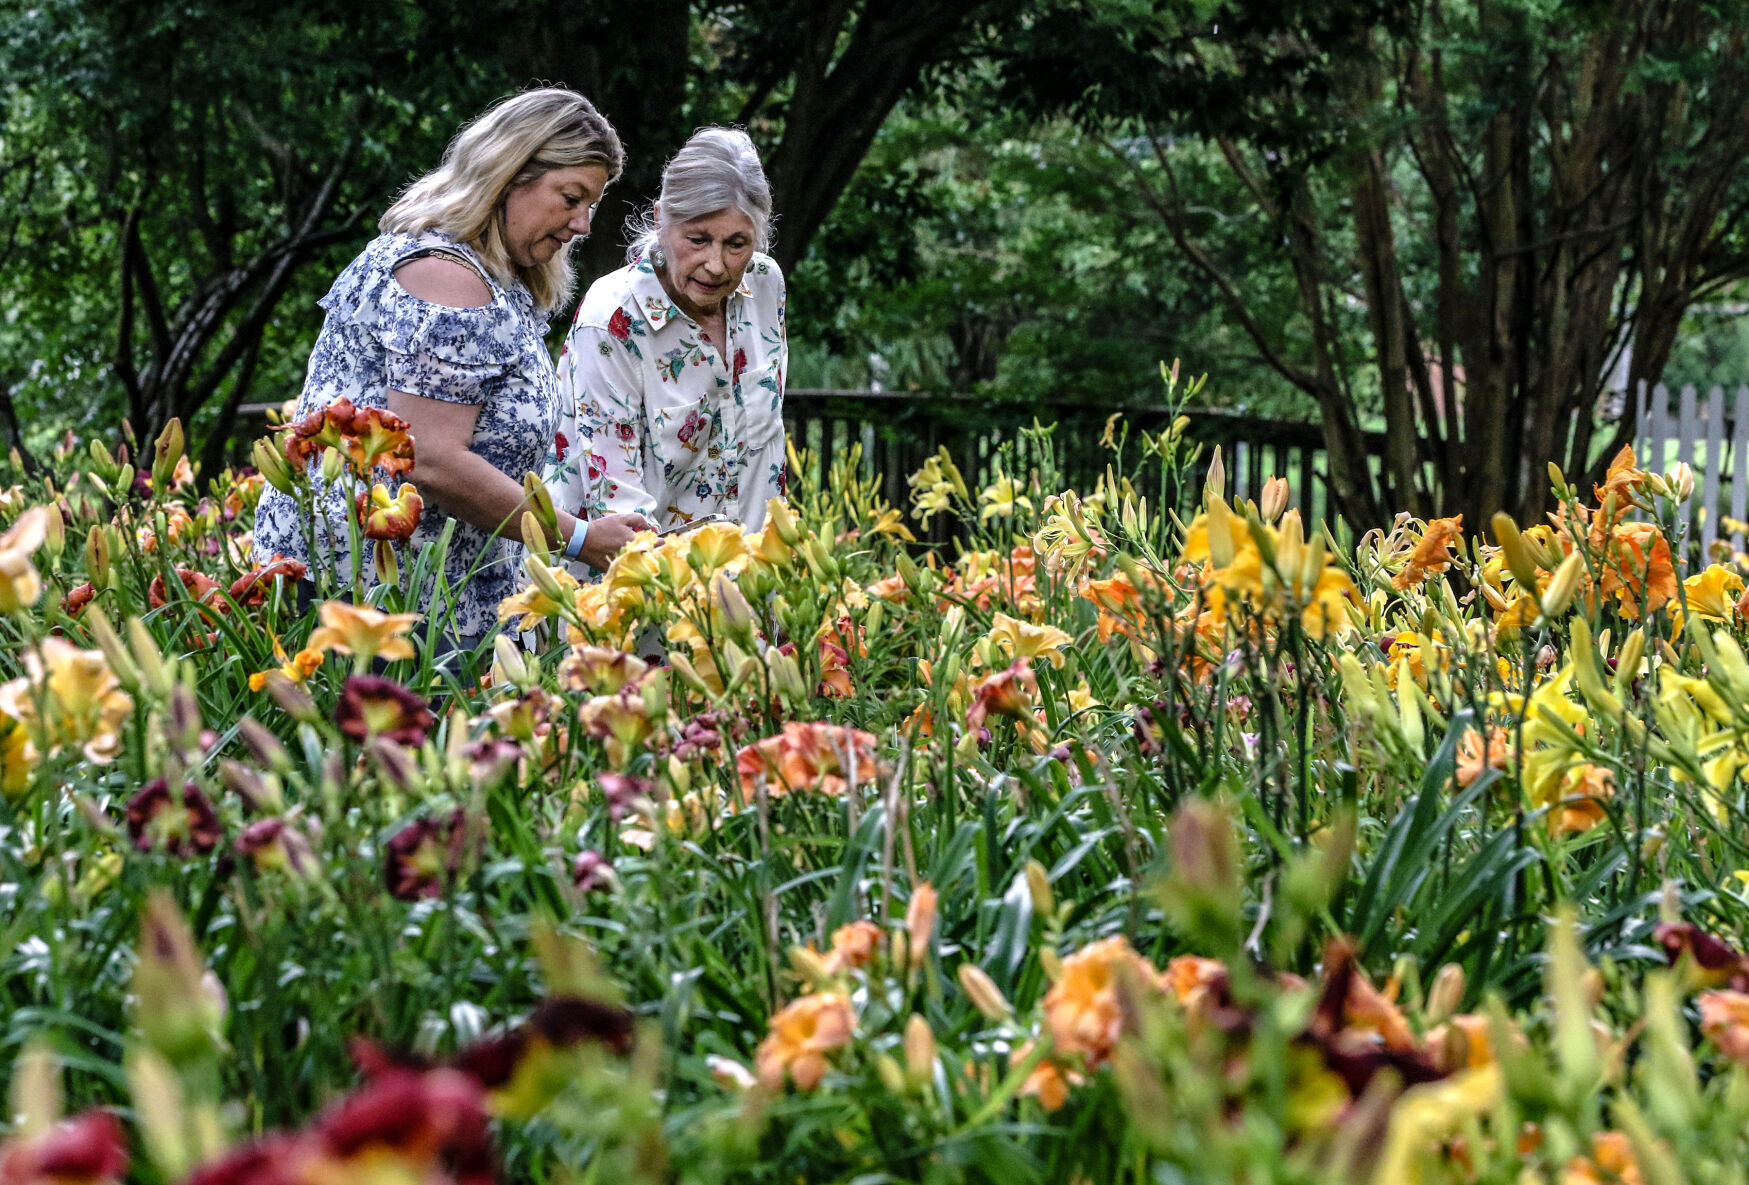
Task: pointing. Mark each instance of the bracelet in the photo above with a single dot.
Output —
(574, 546)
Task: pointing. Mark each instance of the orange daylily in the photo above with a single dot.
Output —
(1432, 554)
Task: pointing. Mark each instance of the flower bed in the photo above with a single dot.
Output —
(1107, 848)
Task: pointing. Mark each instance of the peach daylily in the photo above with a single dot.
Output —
(363, 632)
(1048, 1082)
(1082, 1009)
(1724, 1017)
(1476, 753)
(853, 946)
(1639, 569)
(823, 757)
(802, 1034)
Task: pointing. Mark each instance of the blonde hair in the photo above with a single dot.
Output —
(717, 169)
(512, 143)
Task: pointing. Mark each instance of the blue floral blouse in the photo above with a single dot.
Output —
(654, 419)
(379, 337)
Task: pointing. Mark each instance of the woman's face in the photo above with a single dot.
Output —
(706, 257)
(543, 215)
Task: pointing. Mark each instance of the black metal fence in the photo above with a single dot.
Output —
(899, 431)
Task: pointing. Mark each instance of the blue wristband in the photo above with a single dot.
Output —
(574, 546)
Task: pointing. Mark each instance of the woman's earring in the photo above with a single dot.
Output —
(658, 257)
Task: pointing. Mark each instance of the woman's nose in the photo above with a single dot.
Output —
(579, 224)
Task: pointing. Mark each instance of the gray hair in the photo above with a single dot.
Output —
(717, 169)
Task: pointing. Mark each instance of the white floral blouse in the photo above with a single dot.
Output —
(653, 419)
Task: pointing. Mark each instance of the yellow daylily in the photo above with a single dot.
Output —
(1712, 594)
(1000, 498)
(1019, 639)
(69, 696)
(363, 632)
(20, 585)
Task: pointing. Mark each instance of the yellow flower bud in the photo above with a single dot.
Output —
(1446, 993)
(919, 1051)
(982, 991)
(1563, 585)
(1518, 558)
(166, 451)
(1214, 489)
(1038, 884)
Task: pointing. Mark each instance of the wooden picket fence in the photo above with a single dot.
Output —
(1711, 433)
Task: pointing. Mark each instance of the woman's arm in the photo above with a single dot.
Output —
(447, 471)
(472, 489)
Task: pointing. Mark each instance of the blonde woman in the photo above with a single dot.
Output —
(671, 382)
(442, 321)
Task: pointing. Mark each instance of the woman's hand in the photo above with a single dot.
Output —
(610, 533)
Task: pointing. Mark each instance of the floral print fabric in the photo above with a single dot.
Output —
(654, 419)
(378, 336)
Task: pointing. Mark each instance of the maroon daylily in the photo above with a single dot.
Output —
(422, 857)
(371, 705)
(153, 820)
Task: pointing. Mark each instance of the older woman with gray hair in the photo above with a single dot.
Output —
(671, 380)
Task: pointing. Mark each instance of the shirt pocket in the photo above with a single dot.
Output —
(761, 405)
(683, 435)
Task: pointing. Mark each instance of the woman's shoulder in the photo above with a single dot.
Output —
(763, 279)
(616, 291)
(370, 296)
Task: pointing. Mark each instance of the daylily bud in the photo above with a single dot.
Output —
(891, 1076)
(786, 676)
(270, 461)
(1409, 707)
(124, 482)
(1273, 502)
(778, 511)
(1038, 884)
(919, 1051)
(1627, 661)
(166, 451)
(1051, 963)
(809, 967)
(387, 566)
(54, 533)
(1563, 585)
(687, 672)
(1518, 558)
(116, 654)
(1446, 993)
(291, 697)
(333, 464)
(534, 538)
(97, 555)
(540, 502)
(982, 991)
(737, 613)
(508, 665)
(1214, 489)
(542, 576)
(1681, 481)
(157, 672)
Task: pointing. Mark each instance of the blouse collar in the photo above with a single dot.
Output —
(653, 300)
